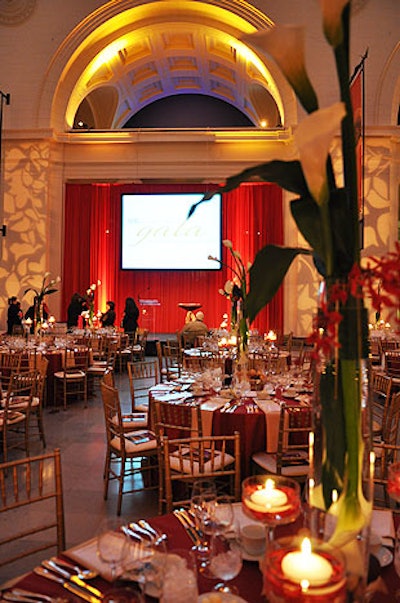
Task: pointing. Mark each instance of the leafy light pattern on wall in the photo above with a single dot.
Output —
(23, 263)
(27, 173)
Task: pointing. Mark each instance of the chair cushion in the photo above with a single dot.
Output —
(136, 442)
(220, 462)
(132, 421)
(22, 402)
(70, 375)
(268, 462)
(12, 417)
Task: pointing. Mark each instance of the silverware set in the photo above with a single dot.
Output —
(187, 521)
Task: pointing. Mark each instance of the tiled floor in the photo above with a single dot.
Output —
(79, 433)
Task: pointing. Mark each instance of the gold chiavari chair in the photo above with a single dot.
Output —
(129, 454)
(23, 394)
(142, 375)
(187, 460)
(31, 484)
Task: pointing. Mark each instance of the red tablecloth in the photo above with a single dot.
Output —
(249, 581)
(251, 427)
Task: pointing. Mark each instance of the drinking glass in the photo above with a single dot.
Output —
(111, 547)
(112, 550)
(225, 561)
(204, 496)
(144, 563)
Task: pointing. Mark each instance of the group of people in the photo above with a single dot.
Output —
(194, 324)
(130, 315)
(15, 314)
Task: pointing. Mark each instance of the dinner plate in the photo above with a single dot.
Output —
(384, 556)
(216, 597)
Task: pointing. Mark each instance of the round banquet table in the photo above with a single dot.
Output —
(251, 427)
(249, 582)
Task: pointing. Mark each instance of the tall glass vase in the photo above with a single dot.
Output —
(38, 320)
(340, 487)
(242, 350)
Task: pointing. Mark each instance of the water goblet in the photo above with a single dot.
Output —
(225, 561)
(111, 550)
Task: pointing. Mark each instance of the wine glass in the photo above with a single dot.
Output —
(225, 561)
(204, 494)
(144, 563)
(271, 499)
(112, 550)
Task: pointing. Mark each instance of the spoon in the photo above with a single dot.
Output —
(82, 573)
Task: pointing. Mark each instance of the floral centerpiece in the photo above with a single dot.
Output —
(236, 291)
(89, 300)
(47, 288)
(327, 215)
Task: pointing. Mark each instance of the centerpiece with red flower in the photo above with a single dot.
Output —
(326, 213)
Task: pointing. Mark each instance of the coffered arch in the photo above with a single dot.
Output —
(162, 48)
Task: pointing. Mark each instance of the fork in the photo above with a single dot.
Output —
(20, 595)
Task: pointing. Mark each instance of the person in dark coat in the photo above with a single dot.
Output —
(14, 314)
(130, 317)
(108, 318)
(74, 310)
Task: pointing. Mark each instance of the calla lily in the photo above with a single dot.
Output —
(313, 138)
(332, 20)
(285, 43)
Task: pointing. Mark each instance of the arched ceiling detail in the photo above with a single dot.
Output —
(156, 49)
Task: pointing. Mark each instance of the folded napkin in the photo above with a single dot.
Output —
(213, 403)
(85, 554)
(382, 523)
(173, 396)
(272, 410)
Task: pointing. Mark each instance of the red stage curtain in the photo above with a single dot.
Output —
(252, 217)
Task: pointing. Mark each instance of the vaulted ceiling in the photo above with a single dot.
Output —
(165, 53)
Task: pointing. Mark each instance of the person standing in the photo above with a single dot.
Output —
(108, 318)
(130, 317)
(14, 314)
(74, 310)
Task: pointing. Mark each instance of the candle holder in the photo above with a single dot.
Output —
(303, 570)
(393, 484)
(271, 499)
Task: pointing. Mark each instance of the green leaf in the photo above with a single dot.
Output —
(307, 216)
(287, 174)
(342, 232)
(266, 275)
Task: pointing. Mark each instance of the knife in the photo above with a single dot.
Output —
(70, 586)
(53, 567)
(188, 528)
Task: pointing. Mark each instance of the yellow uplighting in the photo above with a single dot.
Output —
(122, 41)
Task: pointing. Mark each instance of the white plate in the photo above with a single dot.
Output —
(384, 556)
(216, 597)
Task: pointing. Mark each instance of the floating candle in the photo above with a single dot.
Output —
(267, 498)
(304, 566)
